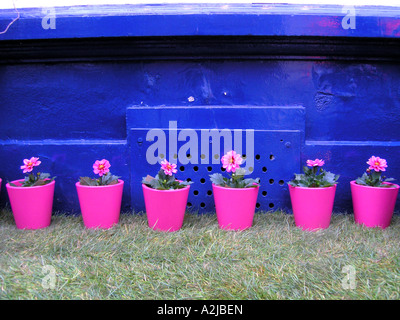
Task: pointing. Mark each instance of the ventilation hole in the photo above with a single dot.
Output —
(244, 156)
(209, 169)
(271, 181)
(258, 157)
(216, 156)
(271, 157)
(188, 179)
(175, 156)
(189, 204)
(195, 192)
(196, 168)
(251, 169)
(202, 204)
(281, 140)
(161, 155)
(223, 169)
(182, 168)
(203, 156)
(271, 205)
(258, 205)
(189, 156)
(202, 180)
(209, 192)
(281, 182)
(264, 193)
(264, 169)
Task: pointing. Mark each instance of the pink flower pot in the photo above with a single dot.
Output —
(373, 206)
(100, 205)
(31, 206)
(235, 207)
(165, 209)
(312, 207)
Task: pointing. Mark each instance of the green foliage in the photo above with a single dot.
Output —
(40, 179)
(105, 180)
(374, 179)
(164, 182)
(314, 177)
(272, 260)
(237, 180)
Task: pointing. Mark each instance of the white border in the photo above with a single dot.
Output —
(9, 4)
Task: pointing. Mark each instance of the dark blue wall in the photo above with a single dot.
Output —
(80, 92)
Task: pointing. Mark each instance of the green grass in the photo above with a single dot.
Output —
(271, 260)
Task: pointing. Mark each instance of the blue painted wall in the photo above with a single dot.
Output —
(71, 96)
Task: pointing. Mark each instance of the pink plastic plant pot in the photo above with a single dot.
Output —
(100, 205)
(235, 207)
(312, 207)
(31, 206)
(373, 206)
(165, 209)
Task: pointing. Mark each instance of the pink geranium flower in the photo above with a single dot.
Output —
(315, 163)
(29, 164)
(169, 168)
(377, 164)
(231, 161)
(101, 167)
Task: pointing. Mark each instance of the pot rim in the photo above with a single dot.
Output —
(78, 185)
(236, 189)
(27, 188)
(170, 190)
(353, 182)
(309, 188)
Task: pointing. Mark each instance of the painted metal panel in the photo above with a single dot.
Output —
(348, 158)
(67, 160)
(201, 20)
(272, 148)
(65, 92)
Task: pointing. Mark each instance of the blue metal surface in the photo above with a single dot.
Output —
(72, 101)
(271, 147)
(201, 19)
(67, 160)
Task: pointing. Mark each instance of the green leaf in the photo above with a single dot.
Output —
(13, 184)
(147, 179)
(185, 183)
(251, 183)
(239, 174)
(314, 177)
(86, 181)
(217, 179)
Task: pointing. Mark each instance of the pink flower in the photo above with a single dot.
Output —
(169, 168)
(377, 164)
(29, 164)
(231, 161)
(101, 167)
(315, 163)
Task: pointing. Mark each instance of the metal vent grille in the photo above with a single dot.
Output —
(271, 148)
